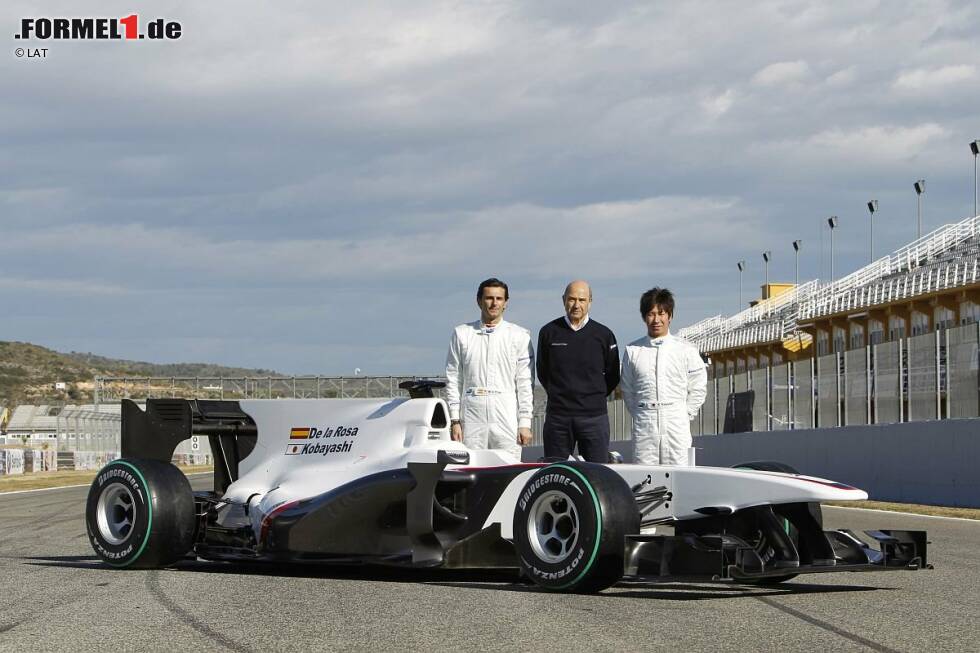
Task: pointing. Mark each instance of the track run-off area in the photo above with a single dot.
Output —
(56, 596)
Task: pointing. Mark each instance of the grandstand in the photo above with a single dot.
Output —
(33, 422)
(72, 426)
(929, 284)
(895, 341)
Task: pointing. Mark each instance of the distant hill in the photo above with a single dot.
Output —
(139, 368)
(28, 373)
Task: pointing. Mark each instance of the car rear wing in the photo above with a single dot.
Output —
(155, 433)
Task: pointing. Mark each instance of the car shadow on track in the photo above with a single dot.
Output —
(493, 579)
(707, 591)
(78, 562)
(679, 592)
(338, 572)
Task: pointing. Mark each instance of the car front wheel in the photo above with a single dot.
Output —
(569, 526)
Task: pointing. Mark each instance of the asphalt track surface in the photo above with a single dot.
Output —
(55, 595)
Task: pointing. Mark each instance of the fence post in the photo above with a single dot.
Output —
(790, 391)
(977, 361)
(903, 381)
(867, 381)
(949, 378)
(715, 399)
(769, 397)
(838, 361)
(813, 388)
(873, 355)
(939, 390)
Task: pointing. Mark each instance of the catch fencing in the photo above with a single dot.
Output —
(113, 389)
(923, 377)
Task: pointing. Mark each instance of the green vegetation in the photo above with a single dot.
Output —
(139, 368)
(28, 373)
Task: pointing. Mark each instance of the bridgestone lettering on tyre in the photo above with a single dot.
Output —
(140, 514)
(569, 526)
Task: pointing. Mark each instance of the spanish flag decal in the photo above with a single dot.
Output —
(299, 433)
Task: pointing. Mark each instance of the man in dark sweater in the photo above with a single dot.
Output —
(578, 366)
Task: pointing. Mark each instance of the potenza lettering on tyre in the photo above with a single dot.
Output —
(563, 525)
(570, 525)
(140, 514)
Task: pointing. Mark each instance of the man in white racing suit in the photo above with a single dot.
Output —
(489, 379)
(663, 381)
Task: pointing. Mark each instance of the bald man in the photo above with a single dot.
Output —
(578, 366)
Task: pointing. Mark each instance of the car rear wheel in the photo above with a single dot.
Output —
(140, 514)
(569, 527)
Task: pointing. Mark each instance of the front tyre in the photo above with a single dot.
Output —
(140, 514)
(570, 524)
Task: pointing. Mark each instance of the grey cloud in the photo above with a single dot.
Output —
(325, 159)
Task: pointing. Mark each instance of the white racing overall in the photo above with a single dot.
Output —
(489, 384)
(664, 383)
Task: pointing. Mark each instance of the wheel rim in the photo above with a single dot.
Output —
(116, 514)
(553, 526)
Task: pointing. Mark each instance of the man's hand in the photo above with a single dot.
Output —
(524, 436)
(456, 432)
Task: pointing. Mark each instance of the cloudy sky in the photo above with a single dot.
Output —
(318, 186)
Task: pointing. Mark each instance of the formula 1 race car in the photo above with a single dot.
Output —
(379, 481)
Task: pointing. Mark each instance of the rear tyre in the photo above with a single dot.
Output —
(140, 514)
(570, 524)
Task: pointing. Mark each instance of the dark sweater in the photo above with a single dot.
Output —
(578, 369)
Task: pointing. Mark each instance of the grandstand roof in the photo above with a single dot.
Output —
(28, 418)
(945, 259)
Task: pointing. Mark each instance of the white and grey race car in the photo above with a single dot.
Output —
(372, 481)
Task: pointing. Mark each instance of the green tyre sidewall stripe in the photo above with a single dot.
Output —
(598, 532)
(149, 513)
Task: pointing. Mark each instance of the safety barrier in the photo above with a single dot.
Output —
(94, 459)
(11, 462)
(40, 460)
(192, 459)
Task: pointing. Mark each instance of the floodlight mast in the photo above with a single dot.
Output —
(975, 148)
(920, 187)
(872, 207)
(741, 269)
(832, 223)
(797, 244)
(766, 255)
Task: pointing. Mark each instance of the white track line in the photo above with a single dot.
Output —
(67, 487)
(910, 514)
